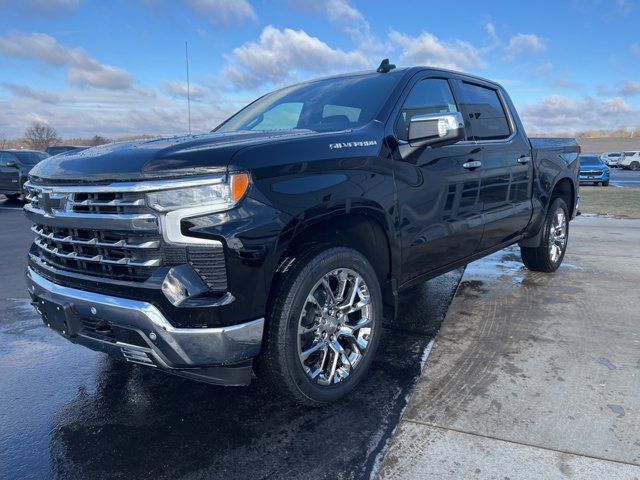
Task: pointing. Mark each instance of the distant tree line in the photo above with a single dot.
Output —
(40, 136)
(632, 133)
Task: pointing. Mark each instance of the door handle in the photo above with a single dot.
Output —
(524, 160)
(472, 165)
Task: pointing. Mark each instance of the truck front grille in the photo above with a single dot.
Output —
(110, 234)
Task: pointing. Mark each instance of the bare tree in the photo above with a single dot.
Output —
(3, 142)
(40, 136)
(98, 140)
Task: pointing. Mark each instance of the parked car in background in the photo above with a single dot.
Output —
(14, 169)
(593, 170)
(281, 237)
(57, 149)
(611, 158)
(630, 160)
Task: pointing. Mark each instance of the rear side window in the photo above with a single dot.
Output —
(485, 113)
(350, 114)
(432, 95)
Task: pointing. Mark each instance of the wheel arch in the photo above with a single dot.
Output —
(564, 188)
(361, 231)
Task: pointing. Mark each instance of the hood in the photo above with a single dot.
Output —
(155, 158)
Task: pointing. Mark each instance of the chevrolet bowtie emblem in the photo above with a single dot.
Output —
(49, 201)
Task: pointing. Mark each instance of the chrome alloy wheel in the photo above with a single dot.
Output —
(557, 235)
(335, 326)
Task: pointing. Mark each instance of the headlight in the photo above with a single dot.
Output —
(221, 193)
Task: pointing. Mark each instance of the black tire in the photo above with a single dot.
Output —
(635, 166)
(539, 259)
(279, 363)
(13, 196)
(605, 184)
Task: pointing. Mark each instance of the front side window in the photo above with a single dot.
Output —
(332, 104)
(485, 112)
(432, 95)
(5, 158)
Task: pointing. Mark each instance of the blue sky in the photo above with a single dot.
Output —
(117, 68)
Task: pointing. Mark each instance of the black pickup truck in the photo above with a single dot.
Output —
(276, 243)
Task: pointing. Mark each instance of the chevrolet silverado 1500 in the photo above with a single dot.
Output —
(276, 243)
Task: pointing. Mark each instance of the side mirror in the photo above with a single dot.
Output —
(436, 129)
(11, 164)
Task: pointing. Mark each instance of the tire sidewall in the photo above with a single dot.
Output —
(322, 263)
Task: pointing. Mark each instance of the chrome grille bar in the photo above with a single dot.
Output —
(125, 261)
(151, 244)
(111, 203)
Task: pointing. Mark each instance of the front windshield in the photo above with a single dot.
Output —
(590, 161)
(322, 106)
(31, 158)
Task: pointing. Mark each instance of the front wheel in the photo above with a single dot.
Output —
(605, 184)
(13, 196)
(324, 327)
(635, 166)
(548, 256)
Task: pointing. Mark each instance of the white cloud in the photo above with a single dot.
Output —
(490, 28)
(557, 113)
(630, 88)
(342, 14)
(224, 12)
(87, 112)
(427, 49)
(82, 69)
(544, 69)
(525, 44)
(179, 89)
(634, 49)
(282, 56)
(28, 92)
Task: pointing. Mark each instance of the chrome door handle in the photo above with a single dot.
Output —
(472, 165)
(524, 160)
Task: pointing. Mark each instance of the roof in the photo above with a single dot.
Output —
(11, 150)
(406, 70)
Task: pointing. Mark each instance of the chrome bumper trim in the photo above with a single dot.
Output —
(172, 347)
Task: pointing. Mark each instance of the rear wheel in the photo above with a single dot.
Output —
(548, 256)
(324, 327)
(605, 184)
(13, 196)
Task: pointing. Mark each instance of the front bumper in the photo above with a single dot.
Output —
(138, 332)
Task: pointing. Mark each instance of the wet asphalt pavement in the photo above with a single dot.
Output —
(69, 412)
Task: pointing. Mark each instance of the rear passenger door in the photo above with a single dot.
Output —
(507, 168)
(439, 215)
